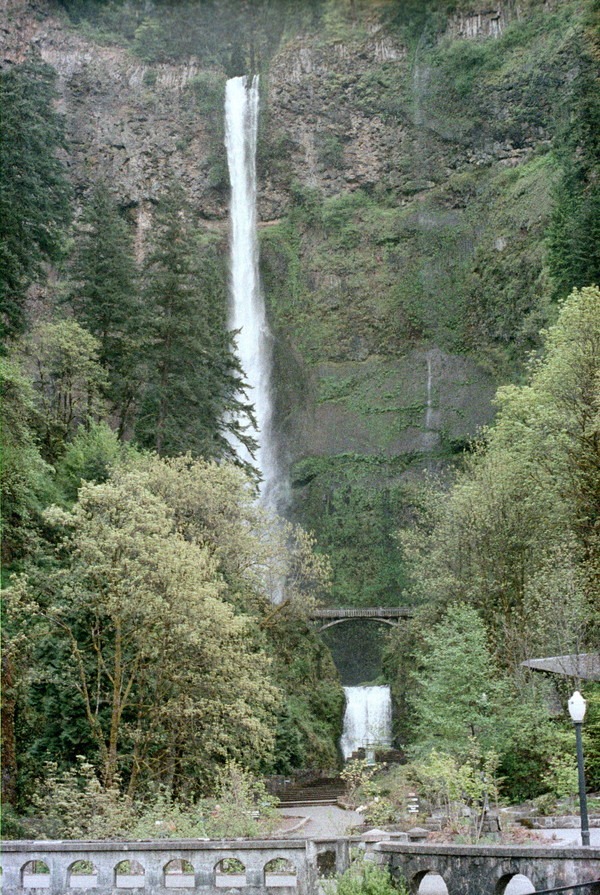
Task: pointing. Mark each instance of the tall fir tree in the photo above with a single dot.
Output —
(34, 191)
(574, 232)
(194, 391)
(106, 298)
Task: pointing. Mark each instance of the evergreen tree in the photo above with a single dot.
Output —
(574, 233)
(460, 698)
(193, 382)
(34, 192)
(105, 297)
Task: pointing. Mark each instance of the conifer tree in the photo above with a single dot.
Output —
(34, 191)
(574, 232)
(193, 381)
(105, 297)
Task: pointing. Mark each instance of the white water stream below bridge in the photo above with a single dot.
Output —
(367, 720)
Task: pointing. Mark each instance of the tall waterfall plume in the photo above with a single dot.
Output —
(247, 314)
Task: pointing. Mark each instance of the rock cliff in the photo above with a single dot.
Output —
(405, 187)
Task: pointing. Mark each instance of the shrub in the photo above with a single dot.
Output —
(364, 877)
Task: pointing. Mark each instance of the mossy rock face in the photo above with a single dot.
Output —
(405, 273)
(389, 408)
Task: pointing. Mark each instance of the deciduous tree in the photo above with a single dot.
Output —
(166, 675)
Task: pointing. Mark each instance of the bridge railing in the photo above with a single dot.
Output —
(365, 612)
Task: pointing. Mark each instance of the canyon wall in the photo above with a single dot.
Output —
(405, 177)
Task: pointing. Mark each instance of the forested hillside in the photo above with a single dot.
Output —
(429, 230)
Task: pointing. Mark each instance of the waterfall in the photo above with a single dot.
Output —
(368, 719)
(429, 411)
(247, 315)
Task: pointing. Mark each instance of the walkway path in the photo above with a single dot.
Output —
(324, 823)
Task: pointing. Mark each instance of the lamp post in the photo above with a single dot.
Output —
(577, 713)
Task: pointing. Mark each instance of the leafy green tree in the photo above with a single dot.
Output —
(214, 506)
(68, 381)
(34, 191)
(257, 556)
(193, 379)
(90, 457)
(518, 535)
(165, 673)
(23, 473)
(105, 296)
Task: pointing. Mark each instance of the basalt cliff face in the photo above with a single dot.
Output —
(405, 177)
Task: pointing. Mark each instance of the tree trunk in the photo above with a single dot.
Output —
(9, 752)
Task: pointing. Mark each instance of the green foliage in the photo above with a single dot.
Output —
(574, 232)
(89, 457)
(68, 380)
(561, 778)
(164, 670)
(73, 804)
(309, 722)
(23, 473)
(354, 518)
(192, 377)
(364, 877)
(451, 784)
(516, 536)
(242, 805)
(356, 774)
(150, 627)
(332, 152)
(11, 825)
(105, 296)
(460, 697)
(35, 194)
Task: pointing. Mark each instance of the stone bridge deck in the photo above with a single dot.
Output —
(390, 615)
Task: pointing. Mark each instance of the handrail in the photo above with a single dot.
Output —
(364, 612)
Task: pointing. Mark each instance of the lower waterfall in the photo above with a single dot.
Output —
(367, 721)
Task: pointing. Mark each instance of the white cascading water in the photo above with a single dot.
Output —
(368, 719)
(248, 315)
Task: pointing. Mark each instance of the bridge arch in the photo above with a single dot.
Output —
(429, 881)
(513, 882)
